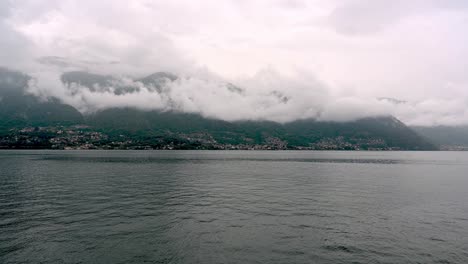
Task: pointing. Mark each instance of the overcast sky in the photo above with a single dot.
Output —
(343, 52)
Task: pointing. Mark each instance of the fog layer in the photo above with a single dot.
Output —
(271, 60)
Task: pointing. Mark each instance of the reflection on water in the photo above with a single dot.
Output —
(233, 207)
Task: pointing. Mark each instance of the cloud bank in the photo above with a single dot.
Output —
(271, 60)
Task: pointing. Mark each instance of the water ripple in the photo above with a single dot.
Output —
(233, 207)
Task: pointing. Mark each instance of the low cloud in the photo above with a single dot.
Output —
(255, 60)
(265, 96)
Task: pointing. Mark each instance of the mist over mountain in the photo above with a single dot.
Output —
(262, 60)
(446, 137)
(17, 108)
(171, 126)
(268, 96)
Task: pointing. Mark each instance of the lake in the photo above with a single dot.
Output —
(233, 207)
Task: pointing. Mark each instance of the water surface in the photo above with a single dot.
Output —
(233, 207)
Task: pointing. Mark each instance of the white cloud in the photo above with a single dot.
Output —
(358, 49)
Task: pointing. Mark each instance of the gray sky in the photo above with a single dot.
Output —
(332, 58)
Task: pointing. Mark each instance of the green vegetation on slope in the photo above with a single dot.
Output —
(18, 110)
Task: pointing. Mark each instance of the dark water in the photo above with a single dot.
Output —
(233, 207)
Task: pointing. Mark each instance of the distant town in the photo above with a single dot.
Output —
(83, 137)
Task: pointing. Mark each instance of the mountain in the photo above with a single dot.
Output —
(86, 79)
(29, 122)
(368, 133)
(447, 137)
(18, 108)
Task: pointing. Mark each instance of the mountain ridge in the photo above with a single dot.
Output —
(445, 137)
(52, 124)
